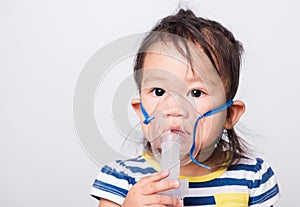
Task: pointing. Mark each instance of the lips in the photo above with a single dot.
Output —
(173, 130)
(173, 139)
(177, 131)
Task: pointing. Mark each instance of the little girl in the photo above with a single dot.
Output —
(187, 72)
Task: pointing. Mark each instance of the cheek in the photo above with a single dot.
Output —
(203, 105)
(210, 128)
(145, 131)
(149, 103)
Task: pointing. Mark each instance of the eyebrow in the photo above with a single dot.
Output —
(156, 78)
(197, 78)
(162, 77)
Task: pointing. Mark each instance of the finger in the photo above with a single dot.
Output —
(157, 205)
(162, 200)
(154, 177)
(155, 187)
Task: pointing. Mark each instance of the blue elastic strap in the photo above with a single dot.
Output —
(148, 119)
(208, 113)
(218, 109)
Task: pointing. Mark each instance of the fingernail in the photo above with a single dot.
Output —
(165, 173)
(176, 183)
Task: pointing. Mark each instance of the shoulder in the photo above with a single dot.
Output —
(127, 171)
(250, 164)
(116, 178)
(260, 178)
(135, 167)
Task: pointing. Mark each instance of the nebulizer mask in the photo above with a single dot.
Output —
(179, 132)
(173, 123)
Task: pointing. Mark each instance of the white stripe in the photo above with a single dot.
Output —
(239, 174)
(264, 187)
(194, 192)
(269, 202)
(131, 164)
(106, 195)
(113, 180)
(247, 161)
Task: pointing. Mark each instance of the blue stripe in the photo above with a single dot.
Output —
(110, 188)
(265, 196)
(197, 201)
(222, 182)
(119, 175)
(142, 170)
(234, 181)
(135, 169)
(265, 177)
(253, 168)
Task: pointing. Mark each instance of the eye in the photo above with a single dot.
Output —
(196, 93)
(158, 91)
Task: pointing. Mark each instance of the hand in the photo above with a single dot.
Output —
(144, 192)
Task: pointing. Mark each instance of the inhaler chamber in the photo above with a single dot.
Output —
(170, 128)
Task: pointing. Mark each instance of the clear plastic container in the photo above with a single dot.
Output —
(170, 160)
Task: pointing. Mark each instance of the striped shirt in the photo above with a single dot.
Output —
(249, 183)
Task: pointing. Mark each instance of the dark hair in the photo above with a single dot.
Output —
(218, 44)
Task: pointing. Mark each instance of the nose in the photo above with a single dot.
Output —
(173, 106)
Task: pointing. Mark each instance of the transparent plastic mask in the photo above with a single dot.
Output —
(174, 131)
(172, 126)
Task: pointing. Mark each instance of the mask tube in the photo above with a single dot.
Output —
(170, 154)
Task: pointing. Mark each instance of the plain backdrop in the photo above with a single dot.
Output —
(45, 44)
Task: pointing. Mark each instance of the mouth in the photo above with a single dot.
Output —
(178, 131)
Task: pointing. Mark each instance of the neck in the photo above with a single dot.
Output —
(194, 170)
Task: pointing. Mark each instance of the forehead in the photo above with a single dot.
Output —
(186, 61)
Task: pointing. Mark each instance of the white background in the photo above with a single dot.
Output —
(45, 44)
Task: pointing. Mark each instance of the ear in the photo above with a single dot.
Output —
(136, 105)
(235, 111)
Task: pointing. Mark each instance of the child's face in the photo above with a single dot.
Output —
(168, 84)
